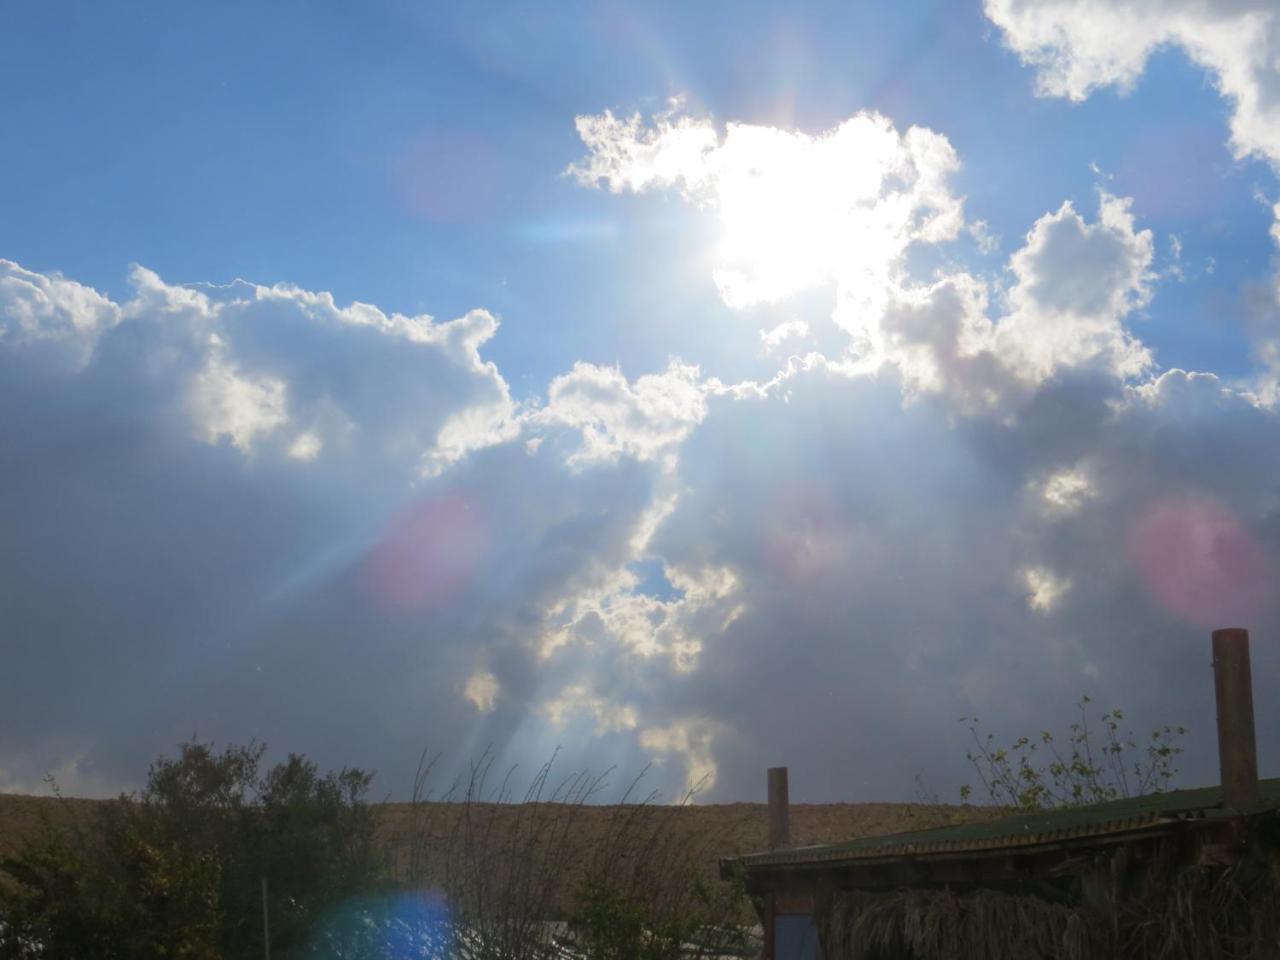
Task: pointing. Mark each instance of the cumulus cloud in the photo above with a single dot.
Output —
(216, 492)
(226, 404)
(577, 699)
(647, 419)
(692, 741)
(1075, 284)
(618, 612)
(795, 210)
(250, 511)
(65, 316)
(998, 549)
(995, 565)
(482, 690)
(185, 472)
(787, 330)
(845, 208)
(1044, 588)
(1066, 490)
(1079, 46)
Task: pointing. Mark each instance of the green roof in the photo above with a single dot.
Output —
(1098, 820)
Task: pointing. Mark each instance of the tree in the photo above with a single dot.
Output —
(1081, 768)
(108, 889)
(176, 871)
(310, 836)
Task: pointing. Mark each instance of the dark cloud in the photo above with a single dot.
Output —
(884, 554)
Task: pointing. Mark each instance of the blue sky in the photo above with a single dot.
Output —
(604, 510)
(273, 145)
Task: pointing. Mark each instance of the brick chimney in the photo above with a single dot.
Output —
(1233, 688)
(779, 809)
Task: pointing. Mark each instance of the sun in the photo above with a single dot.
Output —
(797, 210)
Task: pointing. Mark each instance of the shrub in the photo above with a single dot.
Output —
(1080, 768)
(177, 871)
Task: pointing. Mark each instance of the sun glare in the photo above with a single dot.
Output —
(796, 210)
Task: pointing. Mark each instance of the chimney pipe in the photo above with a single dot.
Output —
(1233, 688)
(779, 809)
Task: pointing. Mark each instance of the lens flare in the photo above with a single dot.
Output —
(428, 555)
(415, 924)
(448, 176)
(808, 538)
(1199, 562)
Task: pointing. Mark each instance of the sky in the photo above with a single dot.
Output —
(699, 388)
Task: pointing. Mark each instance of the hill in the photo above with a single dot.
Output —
(714, 830)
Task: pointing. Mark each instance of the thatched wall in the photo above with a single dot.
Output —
(1164, 910)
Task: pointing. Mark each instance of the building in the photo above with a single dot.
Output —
(1186, 874)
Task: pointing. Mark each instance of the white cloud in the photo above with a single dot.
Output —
(578, 699)
(481, 690)
(630, 156)
(1076, 283)
(255, 365)
(615, 612)
(795, 210)
(706, 574)
(1067, 490)
(787, 330)
(1079, 46)
(845, 207)
(306, 446)
(940, 338)
(1267, 392)
(647, 419)
(225, 404)
(987, 241)
(47, 309)
(692, 740)
(474, 428)
(1045, 589)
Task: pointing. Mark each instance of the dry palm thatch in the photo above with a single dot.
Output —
(983, 925)
(1171, 911)
(1203, 913)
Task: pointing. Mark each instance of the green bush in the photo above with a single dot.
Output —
(108, 890)
(177, 870)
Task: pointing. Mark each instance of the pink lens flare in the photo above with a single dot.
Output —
(807, 537)
(428, 554)
(1200, 563)
(448, 176)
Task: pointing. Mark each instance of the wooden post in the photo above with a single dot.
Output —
(779, 809)
(1233, 688)
(266, 928)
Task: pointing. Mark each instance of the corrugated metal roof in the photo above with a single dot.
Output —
(1026, 829)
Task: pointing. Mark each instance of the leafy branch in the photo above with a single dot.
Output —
(1093, 763)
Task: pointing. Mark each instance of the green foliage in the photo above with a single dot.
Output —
(109, 891)
(1091, 764)
(610, 926)
(697, 918)
(177, 870)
